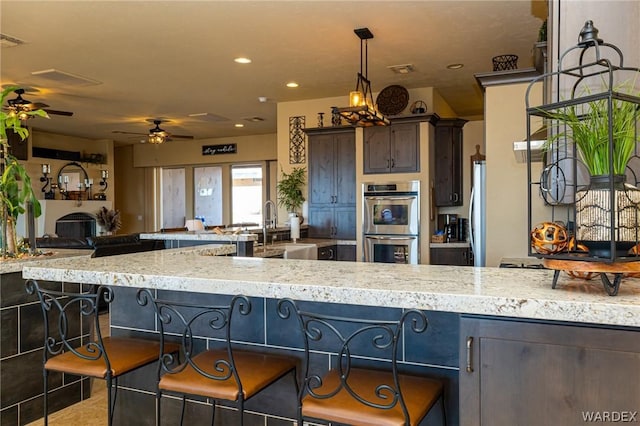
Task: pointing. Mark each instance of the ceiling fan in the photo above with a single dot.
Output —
(156, 135)
(21, 106)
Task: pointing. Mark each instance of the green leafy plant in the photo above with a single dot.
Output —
(589, 131)
(290, 189)
(15, 184)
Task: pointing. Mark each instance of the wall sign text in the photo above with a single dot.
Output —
(229, 148)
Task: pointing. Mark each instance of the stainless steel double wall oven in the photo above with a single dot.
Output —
(391, 222)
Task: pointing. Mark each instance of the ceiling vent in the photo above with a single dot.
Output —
(207, 116)
(65, 78)
(402, 69)
(8, 41)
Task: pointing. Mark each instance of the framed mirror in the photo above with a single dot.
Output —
(72, 177)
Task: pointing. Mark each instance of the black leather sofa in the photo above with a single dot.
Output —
(107, 245)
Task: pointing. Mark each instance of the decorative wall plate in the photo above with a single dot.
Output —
(392, 100)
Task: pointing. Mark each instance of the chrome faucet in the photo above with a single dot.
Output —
(270, 216)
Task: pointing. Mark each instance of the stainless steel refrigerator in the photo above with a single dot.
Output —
(477, 214)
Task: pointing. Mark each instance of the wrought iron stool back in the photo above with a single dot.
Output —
(353, 392)
(66, 350)
(220, 372)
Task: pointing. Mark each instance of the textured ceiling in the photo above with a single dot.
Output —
(174, 58)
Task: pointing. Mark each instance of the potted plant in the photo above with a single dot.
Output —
(599, 129)
(15, 184)
(290, 189)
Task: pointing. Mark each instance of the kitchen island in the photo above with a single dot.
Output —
(577, 316)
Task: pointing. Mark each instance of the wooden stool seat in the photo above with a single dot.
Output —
(256, 371)
(420, 394)
(125, 354)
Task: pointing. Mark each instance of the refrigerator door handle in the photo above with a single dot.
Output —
(471, 242)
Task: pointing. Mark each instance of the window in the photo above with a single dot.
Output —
(173, 197)
(207, 197)
(246, 194)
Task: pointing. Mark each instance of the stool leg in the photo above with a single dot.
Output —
(110, 413)
(241, 410)
(158, 400)
(184, 402)
(444, 410)
(213, 413)
(45, 376)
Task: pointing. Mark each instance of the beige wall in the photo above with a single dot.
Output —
(506, 215)
(177, 153)
(38, 138)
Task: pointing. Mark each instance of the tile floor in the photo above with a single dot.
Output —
(90, 412)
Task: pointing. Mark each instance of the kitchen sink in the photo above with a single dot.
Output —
(300, 251)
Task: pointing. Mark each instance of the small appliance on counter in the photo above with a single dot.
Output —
(448, 223)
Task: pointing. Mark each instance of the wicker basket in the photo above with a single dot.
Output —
(505, 62)
(437, 238)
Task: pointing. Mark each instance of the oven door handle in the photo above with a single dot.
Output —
(377, 237)
(412, 197)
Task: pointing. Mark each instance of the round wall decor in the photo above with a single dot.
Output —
(392, 100)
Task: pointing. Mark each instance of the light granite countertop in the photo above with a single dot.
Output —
(198, 236)
(520, 293)
(15, 265)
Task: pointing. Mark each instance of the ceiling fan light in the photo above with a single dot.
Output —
(156, 138)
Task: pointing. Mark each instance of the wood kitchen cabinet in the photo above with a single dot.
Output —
(392, 149)
(332, 183)
(448, 162)
(460, 256)
(535, 373)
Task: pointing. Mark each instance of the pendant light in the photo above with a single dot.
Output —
(361, 111)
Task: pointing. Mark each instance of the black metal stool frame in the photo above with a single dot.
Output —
(53, 302)
(387, 336)
(217, 317)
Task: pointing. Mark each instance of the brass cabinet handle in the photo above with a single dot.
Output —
(469, 350)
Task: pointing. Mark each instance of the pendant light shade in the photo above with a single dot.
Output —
(361, 111)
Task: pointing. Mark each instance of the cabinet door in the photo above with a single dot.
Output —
(345, 169)
(448, 166)
(346, 253)
(376, 150)
(450, 256)
(405, 148)
(456, 165)
(517, 373)
(321, 222)
(321, 169)
(345, 223)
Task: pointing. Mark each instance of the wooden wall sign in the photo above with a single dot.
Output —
(229, 148)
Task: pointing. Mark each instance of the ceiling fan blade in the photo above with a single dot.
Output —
(37, 105)
(129, 133)
(56, 112)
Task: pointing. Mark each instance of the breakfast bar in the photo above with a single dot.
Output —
(494, 334)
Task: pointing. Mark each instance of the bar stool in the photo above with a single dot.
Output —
(103, 358)
(223, 373)
(352, 392)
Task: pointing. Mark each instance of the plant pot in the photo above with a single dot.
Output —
(594, 228)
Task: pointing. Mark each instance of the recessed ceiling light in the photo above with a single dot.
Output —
(242, 60)
(292, 84)
(239, 125)
(455, 66)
